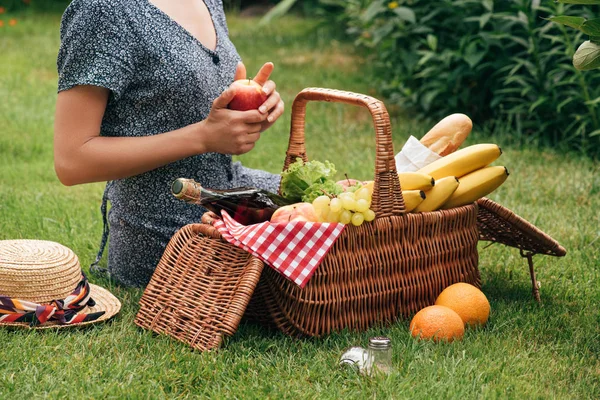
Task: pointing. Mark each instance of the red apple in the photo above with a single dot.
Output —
(346, 183)
(295, 212)
(248, 95)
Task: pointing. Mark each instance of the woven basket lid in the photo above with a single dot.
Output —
(41, 271)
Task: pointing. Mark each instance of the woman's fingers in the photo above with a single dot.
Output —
(252, 137)
(276, 113)
(273, 99)
(223, 100)
(240, 71)
(269, 87)
(252, 129)
(251, 116)
(264, 73)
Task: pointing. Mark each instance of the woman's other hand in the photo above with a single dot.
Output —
(236, 132)
(228, 131)
(273, 106)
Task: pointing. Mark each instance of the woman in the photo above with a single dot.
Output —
(143, 94)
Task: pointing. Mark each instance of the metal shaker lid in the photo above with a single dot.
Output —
(380, 342)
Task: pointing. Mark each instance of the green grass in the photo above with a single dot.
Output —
(525, 351)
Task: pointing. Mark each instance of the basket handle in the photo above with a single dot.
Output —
(387, 195)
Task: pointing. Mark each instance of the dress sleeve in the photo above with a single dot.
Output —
(96, 47)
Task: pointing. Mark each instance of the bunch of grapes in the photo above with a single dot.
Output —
(348, 207)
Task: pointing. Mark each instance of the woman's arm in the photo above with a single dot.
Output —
(81, 155)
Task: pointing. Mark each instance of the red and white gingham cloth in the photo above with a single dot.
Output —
(294, 249)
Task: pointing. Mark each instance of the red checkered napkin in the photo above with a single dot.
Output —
(294, 249)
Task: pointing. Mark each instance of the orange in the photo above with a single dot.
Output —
(437, 323)
(468, 301)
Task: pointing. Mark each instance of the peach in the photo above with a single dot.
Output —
(295, 212)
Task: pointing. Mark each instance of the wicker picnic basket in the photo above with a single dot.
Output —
(373, 274)
(378, 271)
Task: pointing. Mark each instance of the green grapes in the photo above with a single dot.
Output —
(369, 215)
(335, 205)
(350, 207)
(357, 219)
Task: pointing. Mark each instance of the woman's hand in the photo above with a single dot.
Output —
(273, 107)
(228, 131)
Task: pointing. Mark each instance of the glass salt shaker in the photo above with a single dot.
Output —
(379, 356)
(354, 357)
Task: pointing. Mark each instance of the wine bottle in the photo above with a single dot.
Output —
(247, 205)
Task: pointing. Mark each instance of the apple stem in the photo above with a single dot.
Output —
(327, 194)
(348, 179)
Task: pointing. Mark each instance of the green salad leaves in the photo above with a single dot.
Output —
(306, 181)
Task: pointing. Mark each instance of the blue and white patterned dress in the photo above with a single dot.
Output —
(161, 78)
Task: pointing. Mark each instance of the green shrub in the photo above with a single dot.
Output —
(500, 62)
(587, 56)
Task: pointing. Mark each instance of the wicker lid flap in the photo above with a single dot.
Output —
(499, 224)
(200, 288)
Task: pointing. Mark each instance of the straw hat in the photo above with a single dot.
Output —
(42, 273)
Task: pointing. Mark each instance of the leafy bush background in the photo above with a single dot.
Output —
(501, 62)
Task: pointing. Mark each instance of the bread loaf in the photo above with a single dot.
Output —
(448, 134)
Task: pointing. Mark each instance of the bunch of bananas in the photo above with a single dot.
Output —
(455, 180)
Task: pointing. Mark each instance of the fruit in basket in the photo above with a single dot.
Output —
(295, 212)
(438, 195)
(467, 301)
(438, 323)
(350, 207)
(415, 181)
(369, 185)
(476, 185)
(349, 183)
(335, 205)
(412, 198)
(248, 95)
(369, 215)
(463, 161)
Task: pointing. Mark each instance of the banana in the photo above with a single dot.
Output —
(439, 194)
(475, 185)
(463, 161)
(415, 181)
(412, 198)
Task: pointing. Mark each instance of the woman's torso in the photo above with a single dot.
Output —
(173, 80)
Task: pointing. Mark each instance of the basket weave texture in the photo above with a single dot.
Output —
(373, 274)
(500, 225)
(200, 288)
(379, 271)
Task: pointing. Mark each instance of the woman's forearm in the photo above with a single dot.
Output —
(82, 155)
(107, 158)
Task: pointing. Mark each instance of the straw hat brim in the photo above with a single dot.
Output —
(105, 301)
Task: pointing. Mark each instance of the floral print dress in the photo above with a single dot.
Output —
(161, 78)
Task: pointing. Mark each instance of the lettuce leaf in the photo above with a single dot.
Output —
(305, 181)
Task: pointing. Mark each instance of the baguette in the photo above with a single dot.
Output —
(448, 134)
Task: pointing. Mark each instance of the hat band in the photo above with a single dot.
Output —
(64, 311)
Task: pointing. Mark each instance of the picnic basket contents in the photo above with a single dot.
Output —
(391, 264)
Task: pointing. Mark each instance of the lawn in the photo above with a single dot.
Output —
(526, 350)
